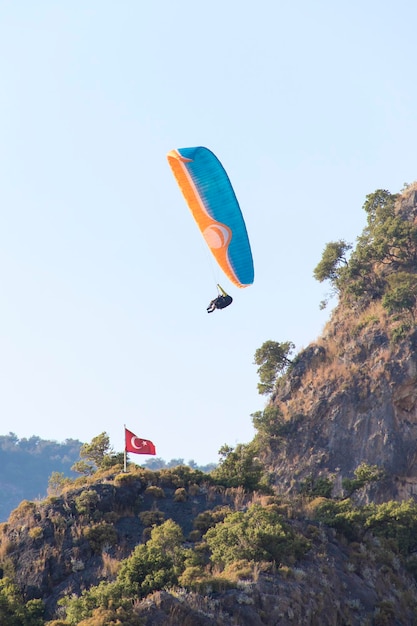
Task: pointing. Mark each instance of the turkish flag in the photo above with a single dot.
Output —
(137, 444)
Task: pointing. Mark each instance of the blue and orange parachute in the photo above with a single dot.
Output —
(212, 201)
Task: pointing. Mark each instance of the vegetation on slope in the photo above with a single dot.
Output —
(27, 465)
(383, 264)
(97, 551)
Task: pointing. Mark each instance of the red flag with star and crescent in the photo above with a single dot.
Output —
(137, 445)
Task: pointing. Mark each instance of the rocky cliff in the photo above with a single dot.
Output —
(351, 397)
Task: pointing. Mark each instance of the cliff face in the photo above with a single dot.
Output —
(351, 398)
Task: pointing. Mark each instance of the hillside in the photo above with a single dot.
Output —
(313, 522)
(27, 465)
(297, 571)
(351, 397)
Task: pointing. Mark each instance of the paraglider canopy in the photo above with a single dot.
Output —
(209, 194)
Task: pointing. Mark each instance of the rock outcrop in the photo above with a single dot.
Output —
(351, 398)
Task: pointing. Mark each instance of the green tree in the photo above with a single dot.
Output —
(273, 359)
(86, 502)
(387, 245)
(239, 467)
(395, 520)
(316, 487)
(269, 423)
(151, 567)
(13, 610)
(94, 455)
(155, 564)
(258, 534)
(343, 516)
(402, 294)
(333, 258)
(364, 475)
(101, 596)
(384, 238)
(57, 482)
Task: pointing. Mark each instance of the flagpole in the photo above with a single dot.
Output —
(125, 455)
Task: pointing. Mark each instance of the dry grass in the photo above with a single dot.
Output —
(6, 547)
(23, 513)
(310, 506)
(204, 605)
(36, 532)
(194, 489)
(44, 554)
(263, 500)
(110, 566)
(212, 491)
(238, 495)
(348, 339)
(155, 492)
(373, 314)
(77, 531)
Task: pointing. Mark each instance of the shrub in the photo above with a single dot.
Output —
(86, 502)
(155, 564)
(112, 617)
(342, 516)
(192, 576)
(395, 521)
(384, 614)
(321, 486)
(240, 570)
(239, 467)
(400, 332)
(201, 581)
(24, 511)
(180, 495)
(36, 532)
(100, 535)
(210, 518)
(364, 475)
(195, 535)
(125, 479)
(154, 491)
(259, 534)
(152, 518)
(110, 566)
(181, 476)
(13, 610)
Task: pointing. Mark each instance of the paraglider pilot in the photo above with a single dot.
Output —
(221, 302)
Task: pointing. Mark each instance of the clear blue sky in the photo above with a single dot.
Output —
(104, 276)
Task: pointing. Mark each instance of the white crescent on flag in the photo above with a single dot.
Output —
(141, 444)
